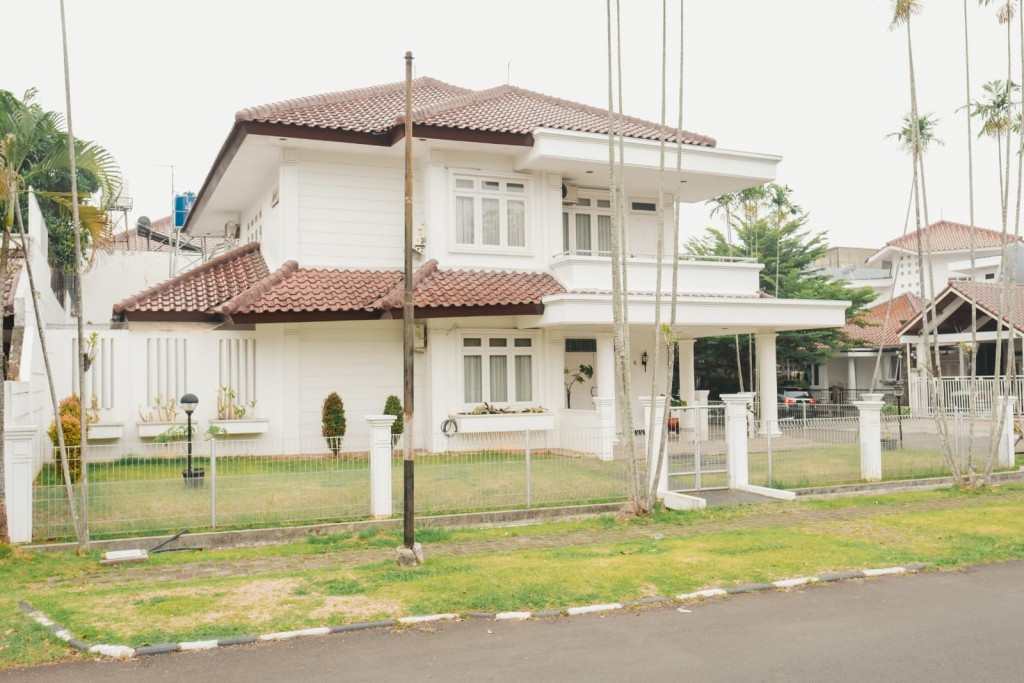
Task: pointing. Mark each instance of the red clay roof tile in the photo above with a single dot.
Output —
(870, 327)
(950, 236)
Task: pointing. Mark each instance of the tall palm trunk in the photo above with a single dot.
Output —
(83, 538)
(972, 384)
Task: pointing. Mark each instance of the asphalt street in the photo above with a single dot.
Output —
(935, 626)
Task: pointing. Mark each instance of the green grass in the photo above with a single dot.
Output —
(137, 605)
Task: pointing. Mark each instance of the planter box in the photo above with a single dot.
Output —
(512, 422)
(104, 431)
(148, 430)
(251, 425)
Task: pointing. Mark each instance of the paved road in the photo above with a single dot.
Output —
(930, 627)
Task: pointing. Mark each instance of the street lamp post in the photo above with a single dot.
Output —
(193, 477)
(898, 390)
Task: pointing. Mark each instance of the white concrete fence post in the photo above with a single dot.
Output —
(660, 402)
(1005, 458)
(380, 464)
(736, 446)
(700, 402)
(19, 451)
(870, 414)
(606, 426)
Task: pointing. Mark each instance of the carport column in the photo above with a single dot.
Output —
(700, 400)
(19, 445)
(870, 437)
(606, 426)
(1006, 439)
(767, 369)
(686, 383)
(736, 458)
(380, 464)
(659, 424)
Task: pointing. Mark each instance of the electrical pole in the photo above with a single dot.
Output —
(408, 511)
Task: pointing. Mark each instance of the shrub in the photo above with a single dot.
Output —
(393, 406)
(68, 413)
(333, 421)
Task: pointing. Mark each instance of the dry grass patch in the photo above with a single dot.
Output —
(353, 608)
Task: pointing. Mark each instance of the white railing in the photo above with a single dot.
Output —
(958, 395)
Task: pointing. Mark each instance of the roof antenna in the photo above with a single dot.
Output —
(508, 74)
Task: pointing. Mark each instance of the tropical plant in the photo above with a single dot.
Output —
(393, 406)
(333, 422)
(574, 377)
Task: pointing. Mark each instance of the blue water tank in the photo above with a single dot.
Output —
(182, 203)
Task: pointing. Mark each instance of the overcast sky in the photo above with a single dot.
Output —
(819, 82)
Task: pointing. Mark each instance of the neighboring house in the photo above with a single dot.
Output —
(513, 280)
(850, 265)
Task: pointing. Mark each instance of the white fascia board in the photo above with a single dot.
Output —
(782, 314)
(956, 338)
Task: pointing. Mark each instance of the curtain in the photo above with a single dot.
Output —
(464, 227)
(565, 233)
(499, 379)
(604, 235)
(524, 378)
(583, 233)
(472, 379)
(491, 220)
(516, 223)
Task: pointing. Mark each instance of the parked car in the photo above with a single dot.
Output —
(795, 396)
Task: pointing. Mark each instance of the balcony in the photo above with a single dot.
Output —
(712, 275)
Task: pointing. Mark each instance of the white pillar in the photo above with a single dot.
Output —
(870, 437)
(686, 382)
(606, 426)
(380, 464)
(737, 460)
(766, 372)
(19, 448)
(1005, 457)
(700, 400)
(851, 377)
(654, 436)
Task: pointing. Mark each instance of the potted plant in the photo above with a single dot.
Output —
(99, 430)
(393, 406)
(333, 422)
(237, 418)
(159, 418)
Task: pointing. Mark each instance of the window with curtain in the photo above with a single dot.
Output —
(587, 227)
(498, 369)
(490, 212)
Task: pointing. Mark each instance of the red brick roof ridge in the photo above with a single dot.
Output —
(283, 106)
(256, 292)
(396, 297)
(474, 97)
(190, 274)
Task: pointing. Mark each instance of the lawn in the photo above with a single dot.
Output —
(673, 553)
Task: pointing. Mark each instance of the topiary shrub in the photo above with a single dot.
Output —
(68, 413)
(393, 406)
(333, 428)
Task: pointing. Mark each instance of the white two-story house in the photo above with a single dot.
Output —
(512, 220)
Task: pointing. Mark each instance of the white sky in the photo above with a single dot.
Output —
(820, 82)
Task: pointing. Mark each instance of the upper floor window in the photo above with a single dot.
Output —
(490, 212)
(587, 227)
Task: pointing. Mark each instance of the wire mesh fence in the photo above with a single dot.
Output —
(912, 447)
(150, 488)
(696, 449)
(791, 453)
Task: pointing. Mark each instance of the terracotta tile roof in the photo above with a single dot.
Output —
(870, 328)
(238, 283)
(504, 109)
(203, 287)
(988, 297)
(130, 240)
(949, 236)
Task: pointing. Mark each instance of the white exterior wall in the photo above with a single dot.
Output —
(117, 275)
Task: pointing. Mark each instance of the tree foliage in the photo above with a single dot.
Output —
(765, 224)
(333, 424)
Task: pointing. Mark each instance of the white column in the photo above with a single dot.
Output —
(870, 437)
(606, 426)
(737, 460)
(654, 436)
(1005, 457)
(686, 382)
(851, 376)
(700, 400)
(380, 464)
(766, 372)
(19, 448)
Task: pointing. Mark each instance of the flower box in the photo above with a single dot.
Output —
(249, 425)
(148, 430)
(104, 431)
(505, 422)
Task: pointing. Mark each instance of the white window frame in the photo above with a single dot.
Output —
(478, 193)
(510, 351)
(593, 210)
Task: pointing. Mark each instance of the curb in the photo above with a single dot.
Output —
(126, 652)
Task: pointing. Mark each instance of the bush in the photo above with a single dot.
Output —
(68, 412)
(393, 406)
(333, 421)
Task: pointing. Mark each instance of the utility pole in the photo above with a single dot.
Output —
(410, 554)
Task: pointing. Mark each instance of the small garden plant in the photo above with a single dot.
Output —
(393, 406)
(333, 425)
(70, 421)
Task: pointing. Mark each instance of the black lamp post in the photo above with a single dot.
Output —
(192, 477)
(898, 391)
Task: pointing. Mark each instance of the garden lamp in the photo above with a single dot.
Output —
(188, 403)
(643, 360)
(898, 391)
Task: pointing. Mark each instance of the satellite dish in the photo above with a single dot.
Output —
(143, 222)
